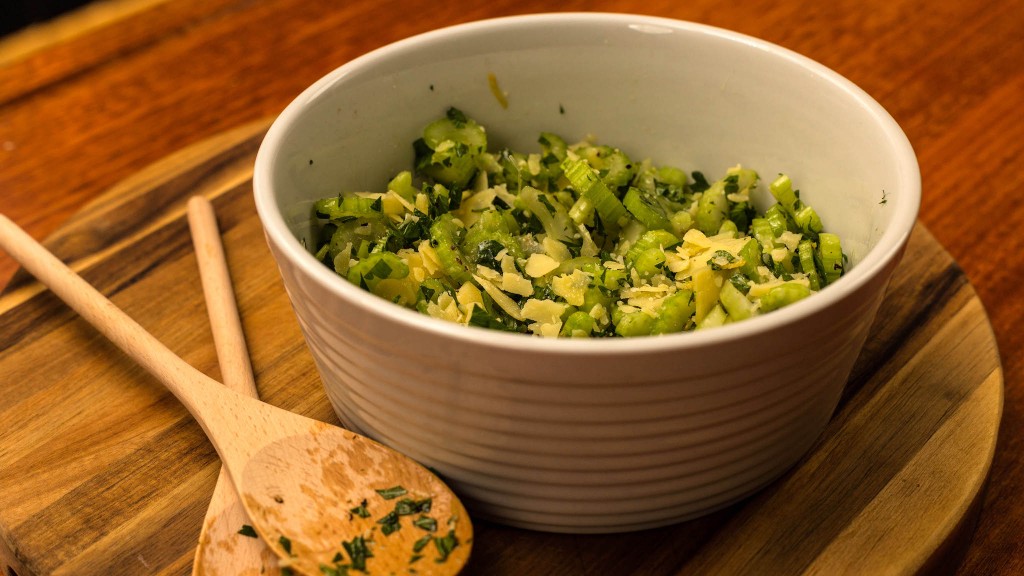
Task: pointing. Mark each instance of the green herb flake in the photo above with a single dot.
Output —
(248, 531)
(392, 493)
(358, 552)
(285, 543)
(445, 545)
(721, 259)
(380, 270)
(458, 117)
(700, 182)
(406, 506)
(426, 523)
(389, 523)
(420, 544)
(361, 510)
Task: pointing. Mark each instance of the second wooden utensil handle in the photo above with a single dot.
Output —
(228, 337)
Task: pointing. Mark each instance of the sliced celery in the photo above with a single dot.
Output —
(712, 208)
(443, 235)
(832, 260)
(573, 240)
(587, 183)
(646, 210)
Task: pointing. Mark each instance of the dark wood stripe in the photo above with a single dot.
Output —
(908, 308)
(150, 474)
(44, 312)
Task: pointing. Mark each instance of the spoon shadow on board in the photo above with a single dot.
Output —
(314, 493)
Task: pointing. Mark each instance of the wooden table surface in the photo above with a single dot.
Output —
(90, 99)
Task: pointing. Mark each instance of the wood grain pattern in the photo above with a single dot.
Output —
(893, 484)
(85, 109)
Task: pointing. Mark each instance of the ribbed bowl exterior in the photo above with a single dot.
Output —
(610, 434)
(568, 451)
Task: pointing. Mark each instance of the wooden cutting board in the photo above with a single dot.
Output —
(103, 472)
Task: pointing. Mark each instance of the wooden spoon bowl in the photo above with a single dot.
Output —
(318, 495)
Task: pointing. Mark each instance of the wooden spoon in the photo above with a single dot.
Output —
(318, 495)
(222, 550)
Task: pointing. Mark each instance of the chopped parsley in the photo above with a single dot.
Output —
(361, 510)
(285, 543)
(445, 545)
(249, 531)
(426, 523)
(420, 544)
(390, 523)
(392, 493)
(405, 506)
(358, 552)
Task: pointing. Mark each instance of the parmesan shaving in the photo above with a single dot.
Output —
(571, 287)
(500, 298)
(556, 249)
(538, 265)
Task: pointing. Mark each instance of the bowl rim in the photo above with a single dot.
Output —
(888, 247)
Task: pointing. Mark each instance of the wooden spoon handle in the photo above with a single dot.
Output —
(95, 308)
(221, 306)
(221, 549)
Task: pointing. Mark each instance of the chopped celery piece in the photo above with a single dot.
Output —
(735, 302)
(805, 251)
(443, 239)
(553, 147)
(805, 219)
(762, 231)
(613, 166)
(401, 184)
(582, 211)
(449, 148)
(783, 295)
(832, 259)
(808, 221)
(348, 207)
(646, 210)
(652, 239)
(776, 218)
(717, 316)
(587, 184)
(456, 127)
(711, 208)
(634, 324)
(751, 255)
(377, 266)
(578, 325)
(782, 189)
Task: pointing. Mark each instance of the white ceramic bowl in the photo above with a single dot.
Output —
(611, 434)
